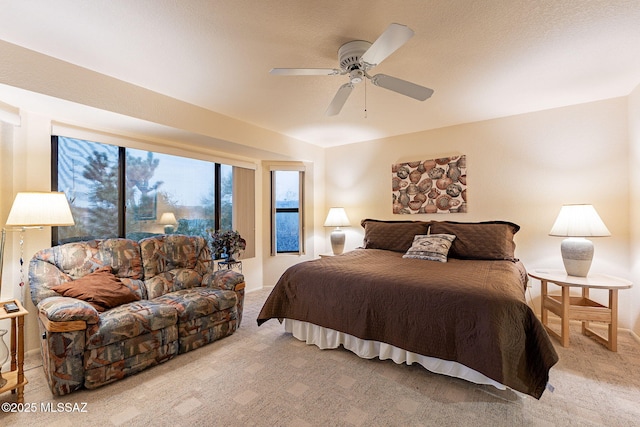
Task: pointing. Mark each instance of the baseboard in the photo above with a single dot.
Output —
(259, 289)
(634, 335)
(35, 351)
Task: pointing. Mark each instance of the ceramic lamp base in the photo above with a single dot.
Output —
(337, 241)
(577, 254)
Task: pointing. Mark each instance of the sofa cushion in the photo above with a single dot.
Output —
(198, 302)
(102, 289)
(130, 320)
(171, 281)
(53, 266)
(223, 279)
(174, 251)
(78, 259)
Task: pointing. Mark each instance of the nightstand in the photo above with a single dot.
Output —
(15, 377)
(581, 308)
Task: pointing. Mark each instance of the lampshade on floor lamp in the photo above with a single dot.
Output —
(576, 222)
(337, 217)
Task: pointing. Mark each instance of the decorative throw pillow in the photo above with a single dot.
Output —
(394, 236)
(102, 289)
(432, 247)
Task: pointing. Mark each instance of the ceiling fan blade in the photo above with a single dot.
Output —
(403, 87)
(393, 37)
(304, 71)
(339, 100)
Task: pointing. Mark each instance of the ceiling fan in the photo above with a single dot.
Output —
(356, 58)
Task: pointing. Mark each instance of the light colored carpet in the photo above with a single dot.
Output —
(264, 377)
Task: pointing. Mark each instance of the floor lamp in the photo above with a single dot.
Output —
(32, 210)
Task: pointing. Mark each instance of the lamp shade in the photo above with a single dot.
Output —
(168, 218)
(579, 221)
(337, 217)
(32, 209)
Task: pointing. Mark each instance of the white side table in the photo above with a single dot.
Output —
(581, 308)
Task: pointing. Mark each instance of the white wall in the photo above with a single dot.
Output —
(634, 212)
(521, 169)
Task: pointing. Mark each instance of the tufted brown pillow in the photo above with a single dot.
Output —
(491, 240)
(394, 236)
(101, 289)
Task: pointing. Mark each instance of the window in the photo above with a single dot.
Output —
(123, 192)
(286, 212)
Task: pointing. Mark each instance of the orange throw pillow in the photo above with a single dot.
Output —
(102, 289)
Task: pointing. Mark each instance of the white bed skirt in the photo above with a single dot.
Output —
(325, 338)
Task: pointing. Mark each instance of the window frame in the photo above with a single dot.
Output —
(121, 228)
(299, 209)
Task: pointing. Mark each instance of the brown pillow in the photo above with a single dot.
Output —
(101, 289)
(394, 236)
(491, 240)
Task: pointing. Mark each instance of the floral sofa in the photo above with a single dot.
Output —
(111, 308)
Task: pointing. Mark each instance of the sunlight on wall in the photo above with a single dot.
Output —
(329, 135)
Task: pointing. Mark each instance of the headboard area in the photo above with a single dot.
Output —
(486, 240)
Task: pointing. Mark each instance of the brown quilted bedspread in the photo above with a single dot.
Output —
(472, 312)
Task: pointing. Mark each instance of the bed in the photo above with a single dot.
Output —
(449, 296)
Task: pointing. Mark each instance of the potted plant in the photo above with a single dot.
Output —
(226, 244)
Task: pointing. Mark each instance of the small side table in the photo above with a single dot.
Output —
(15, 377)
(581, 308)
(230, 265)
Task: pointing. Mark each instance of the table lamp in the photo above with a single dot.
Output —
(337, 217)
(576, 222)
(168, 219)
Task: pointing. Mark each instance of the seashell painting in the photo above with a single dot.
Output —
(430, 186)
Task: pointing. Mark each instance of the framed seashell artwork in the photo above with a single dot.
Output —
(430, 186)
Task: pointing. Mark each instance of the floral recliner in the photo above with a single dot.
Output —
(183, 304)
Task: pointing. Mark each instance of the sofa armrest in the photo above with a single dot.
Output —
(62, 314)
(62, 322)
(229, 280)
(224, 279)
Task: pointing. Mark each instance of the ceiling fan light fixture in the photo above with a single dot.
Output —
(356, 75)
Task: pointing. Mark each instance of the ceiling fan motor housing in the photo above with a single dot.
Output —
(350, 53)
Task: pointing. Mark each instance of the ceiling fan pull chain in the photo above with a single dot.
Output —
(365, 98)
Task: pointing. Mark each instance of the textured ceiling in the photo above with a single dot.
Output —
(484, 59)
